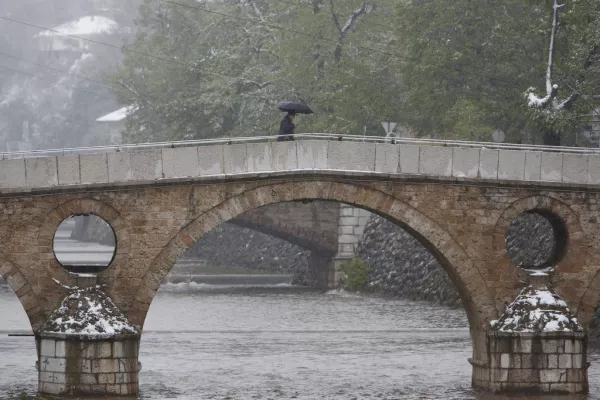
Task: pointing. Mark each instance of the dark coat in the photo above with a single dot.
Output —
(286, 129)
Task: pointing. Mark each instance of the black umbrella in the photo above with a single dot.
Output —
(297, 108)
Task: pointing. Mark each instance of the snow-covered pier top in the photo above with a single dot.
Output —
(309, 153)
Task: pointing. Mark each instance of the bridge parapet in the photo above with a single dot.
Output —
(144, 164)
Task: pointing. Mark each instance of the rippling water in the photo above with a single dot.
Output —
(283, 343)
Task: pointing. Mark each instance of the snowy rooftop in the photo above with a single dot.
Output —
(90, 25)
(537, 310)
(88, 312)
(117, 116)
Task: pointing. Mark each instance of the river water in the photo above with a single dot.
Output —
(206, 342)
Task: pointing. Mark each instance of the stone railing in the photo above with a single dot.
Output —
(141, 164)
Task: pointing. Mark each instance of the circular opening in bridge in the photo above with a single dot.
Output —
(536, 239)
(84, 244)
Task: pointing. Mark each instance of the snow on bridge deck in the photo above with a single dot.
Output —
(144, 164)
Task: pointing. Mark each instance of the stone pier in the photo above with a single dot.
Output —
(87, 347)
(537, 346)
(88, 365)
(547, 362)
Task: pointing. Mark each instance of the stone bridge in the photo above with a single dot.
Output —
(329, 230)
(457, 199)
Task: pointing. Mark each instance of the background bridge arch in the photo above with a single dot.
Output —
(468, 280)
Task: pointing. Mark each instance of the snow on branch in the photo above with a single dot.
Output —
(343, 30)
(551, 88)
(257, 13)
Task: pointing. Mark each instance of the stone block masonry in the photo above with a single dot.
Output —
(351, 226)
(156, 217)
(547, 362)
(88, 365)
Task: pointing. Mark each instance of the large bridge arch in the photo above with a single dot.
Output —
(31, 300)
(311, 225)
(468, 280)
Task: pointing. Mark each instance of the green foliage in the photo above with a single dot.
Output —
(444, 69)
(357, 272)
(229, 74)
(576, 70)
(468, 64)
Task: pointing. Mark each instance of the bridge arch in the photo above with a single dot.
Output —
(457, 263)
(31, 300)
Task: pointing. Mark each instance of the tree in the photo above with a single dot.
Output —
(468, 62)
(223, 67)
(464, 65)
(578, 68)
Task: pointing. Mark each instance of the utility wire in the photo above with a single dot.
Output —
(594, 109)
(16, 71)
(255, 21)
(317, 37)
(57, 70)
(122, 48)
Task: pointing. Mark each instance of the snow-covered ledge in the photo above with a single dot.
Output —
(88, 348)
(537, 345)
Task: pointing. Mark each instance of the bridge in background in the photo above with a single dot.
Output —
(457, 198)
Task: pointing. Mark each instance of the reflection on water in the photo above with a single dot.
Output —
(283, 343)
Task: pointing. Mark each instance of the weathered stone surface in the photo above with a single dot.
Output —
(403, 267)
(94, 168)
(119, 167)
(488, 164)
(41, 172)
(312, 154)
(593, 175)
(552, 166)
(463, 223)
(12, 173)
(533, 165)
(180, 162)
(544, 369)
(434, 160)
(409, 159)
(511, 164)
(285, 157)
(575, 168)
(259, 156)
(351, 156)
(387, 158)
(465, 163)
(88, 365)
(69, 170)
(146, 165)
(211, 160)
(137, 164)
(235, 159)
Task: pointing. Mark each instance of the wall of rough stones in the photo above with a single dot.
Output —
(402, 267)
(232, 246)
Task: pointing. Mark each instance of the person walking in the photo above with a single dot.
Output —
(286, 127)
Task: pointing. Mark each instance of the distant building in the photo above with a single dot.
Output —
(112, 125)
(53, 41)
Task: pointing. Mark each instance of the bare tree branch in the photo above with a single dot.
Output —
(551, 88)
(343, 30)
(568, 103)
(334, 16)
